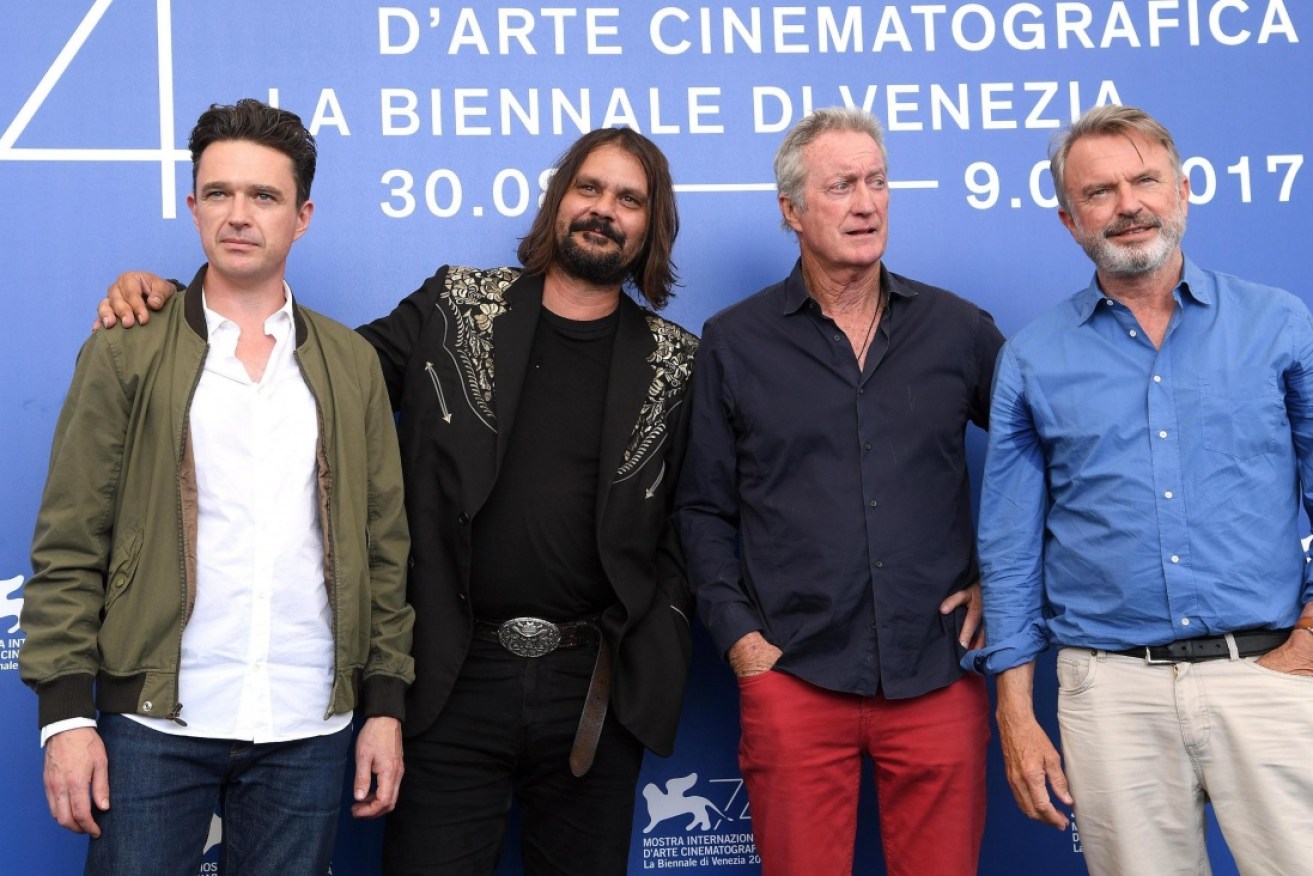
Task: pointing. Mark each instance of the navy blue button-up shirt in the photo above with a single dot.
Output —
(1135, 496)
(846, 489)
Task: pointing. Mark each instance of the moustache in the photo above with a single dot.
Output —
(599, 226)
(1125, 223)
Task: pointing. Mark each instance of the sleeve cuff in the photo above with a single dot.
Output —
(382, 696)
(1016, 650)
(68, 696)
(732, 622)
(52, 730)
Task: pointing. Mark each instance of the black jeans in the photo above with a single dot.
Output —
(507, 730)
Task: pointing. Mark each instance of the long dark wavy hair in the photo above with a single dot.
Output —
(653, 272)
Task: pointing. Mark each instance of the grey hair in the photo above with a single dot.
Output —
(1106, 121)
(791, 173)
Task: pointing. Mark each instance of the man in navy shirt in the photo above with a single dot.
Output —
(1151, 444)
(825, 514)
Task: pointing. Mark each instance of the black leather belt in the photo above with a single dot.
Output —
(534, 637)
(1248, 644)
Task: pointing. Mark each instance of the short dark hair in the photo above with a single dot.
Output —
(257, 122)
(653, 272)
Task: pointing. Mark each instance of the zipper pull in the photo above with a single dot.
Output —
(173, 716)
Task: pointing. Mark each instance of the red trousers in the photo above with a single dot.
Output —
(801, 755)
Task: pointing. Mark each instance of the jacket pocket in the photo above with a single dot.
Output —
(123, 565)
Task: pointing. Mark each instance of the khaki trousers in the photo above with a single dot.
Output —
(1147, 745)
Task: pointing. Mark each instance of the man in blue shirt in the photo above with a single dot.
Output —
(825, 512)
(1151, 443)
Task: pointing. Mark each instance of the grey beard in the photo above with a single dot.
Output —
(1134, 261)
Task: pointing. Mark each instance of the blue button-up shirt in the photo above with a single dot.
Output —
(846, 487)
(1135, 496)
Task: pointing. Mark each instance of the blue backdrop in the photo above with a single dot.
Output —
(435, 125)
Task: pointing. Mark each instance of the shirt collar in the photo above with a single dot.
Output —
(1194, 285)
(794, 295)
(278, 324)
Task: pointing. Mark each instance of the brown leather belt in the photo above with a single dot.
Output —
(1248, 643)
(535, 637)
(593, 715)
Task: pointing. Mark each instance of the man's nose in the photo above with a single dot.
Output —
(239, 211)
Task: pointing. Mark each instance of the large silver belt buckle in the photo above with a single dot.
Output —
(529, 636)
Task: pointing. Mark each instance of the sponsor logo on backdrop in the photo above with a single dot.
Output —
(695, 826)
(674, 802)
(11, 605)
(216, 833)
(11, 609)
(210, 866)
(213, 841)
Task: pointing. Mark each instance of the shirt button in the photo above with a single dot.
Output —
(867, 445)
(1175, 558)
(838, 337)
(147, 706)
(879, 564)
(1167, 495)
(1185, 622)
(1157, 379)
(1162, 434)
(1108, 301)
(874, 503)
(1132, 333)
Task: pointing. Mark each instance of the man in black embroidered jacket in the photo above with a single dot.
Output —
(542, 428)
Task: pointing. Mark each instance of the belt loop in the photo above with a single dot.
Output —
(1231, 646)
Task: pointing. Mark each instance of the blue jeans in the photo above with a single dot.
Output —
(279, 803)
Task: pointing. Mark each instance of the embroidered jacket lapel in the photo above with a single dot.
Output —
(626, 392)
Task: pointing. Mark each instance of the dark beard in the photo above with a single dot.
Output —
(601, 269)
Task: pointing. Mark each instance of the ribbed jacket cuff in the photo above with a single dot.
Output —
(68, 696)
(382, 695)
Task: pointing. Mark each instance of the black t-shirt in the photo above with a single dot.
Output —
(535, 539)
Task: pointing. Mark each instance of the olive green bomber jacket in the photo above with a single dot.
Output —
(114, 553)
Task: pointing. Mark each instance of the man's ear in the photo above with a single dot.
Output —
(790, 212)
(303, 214)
